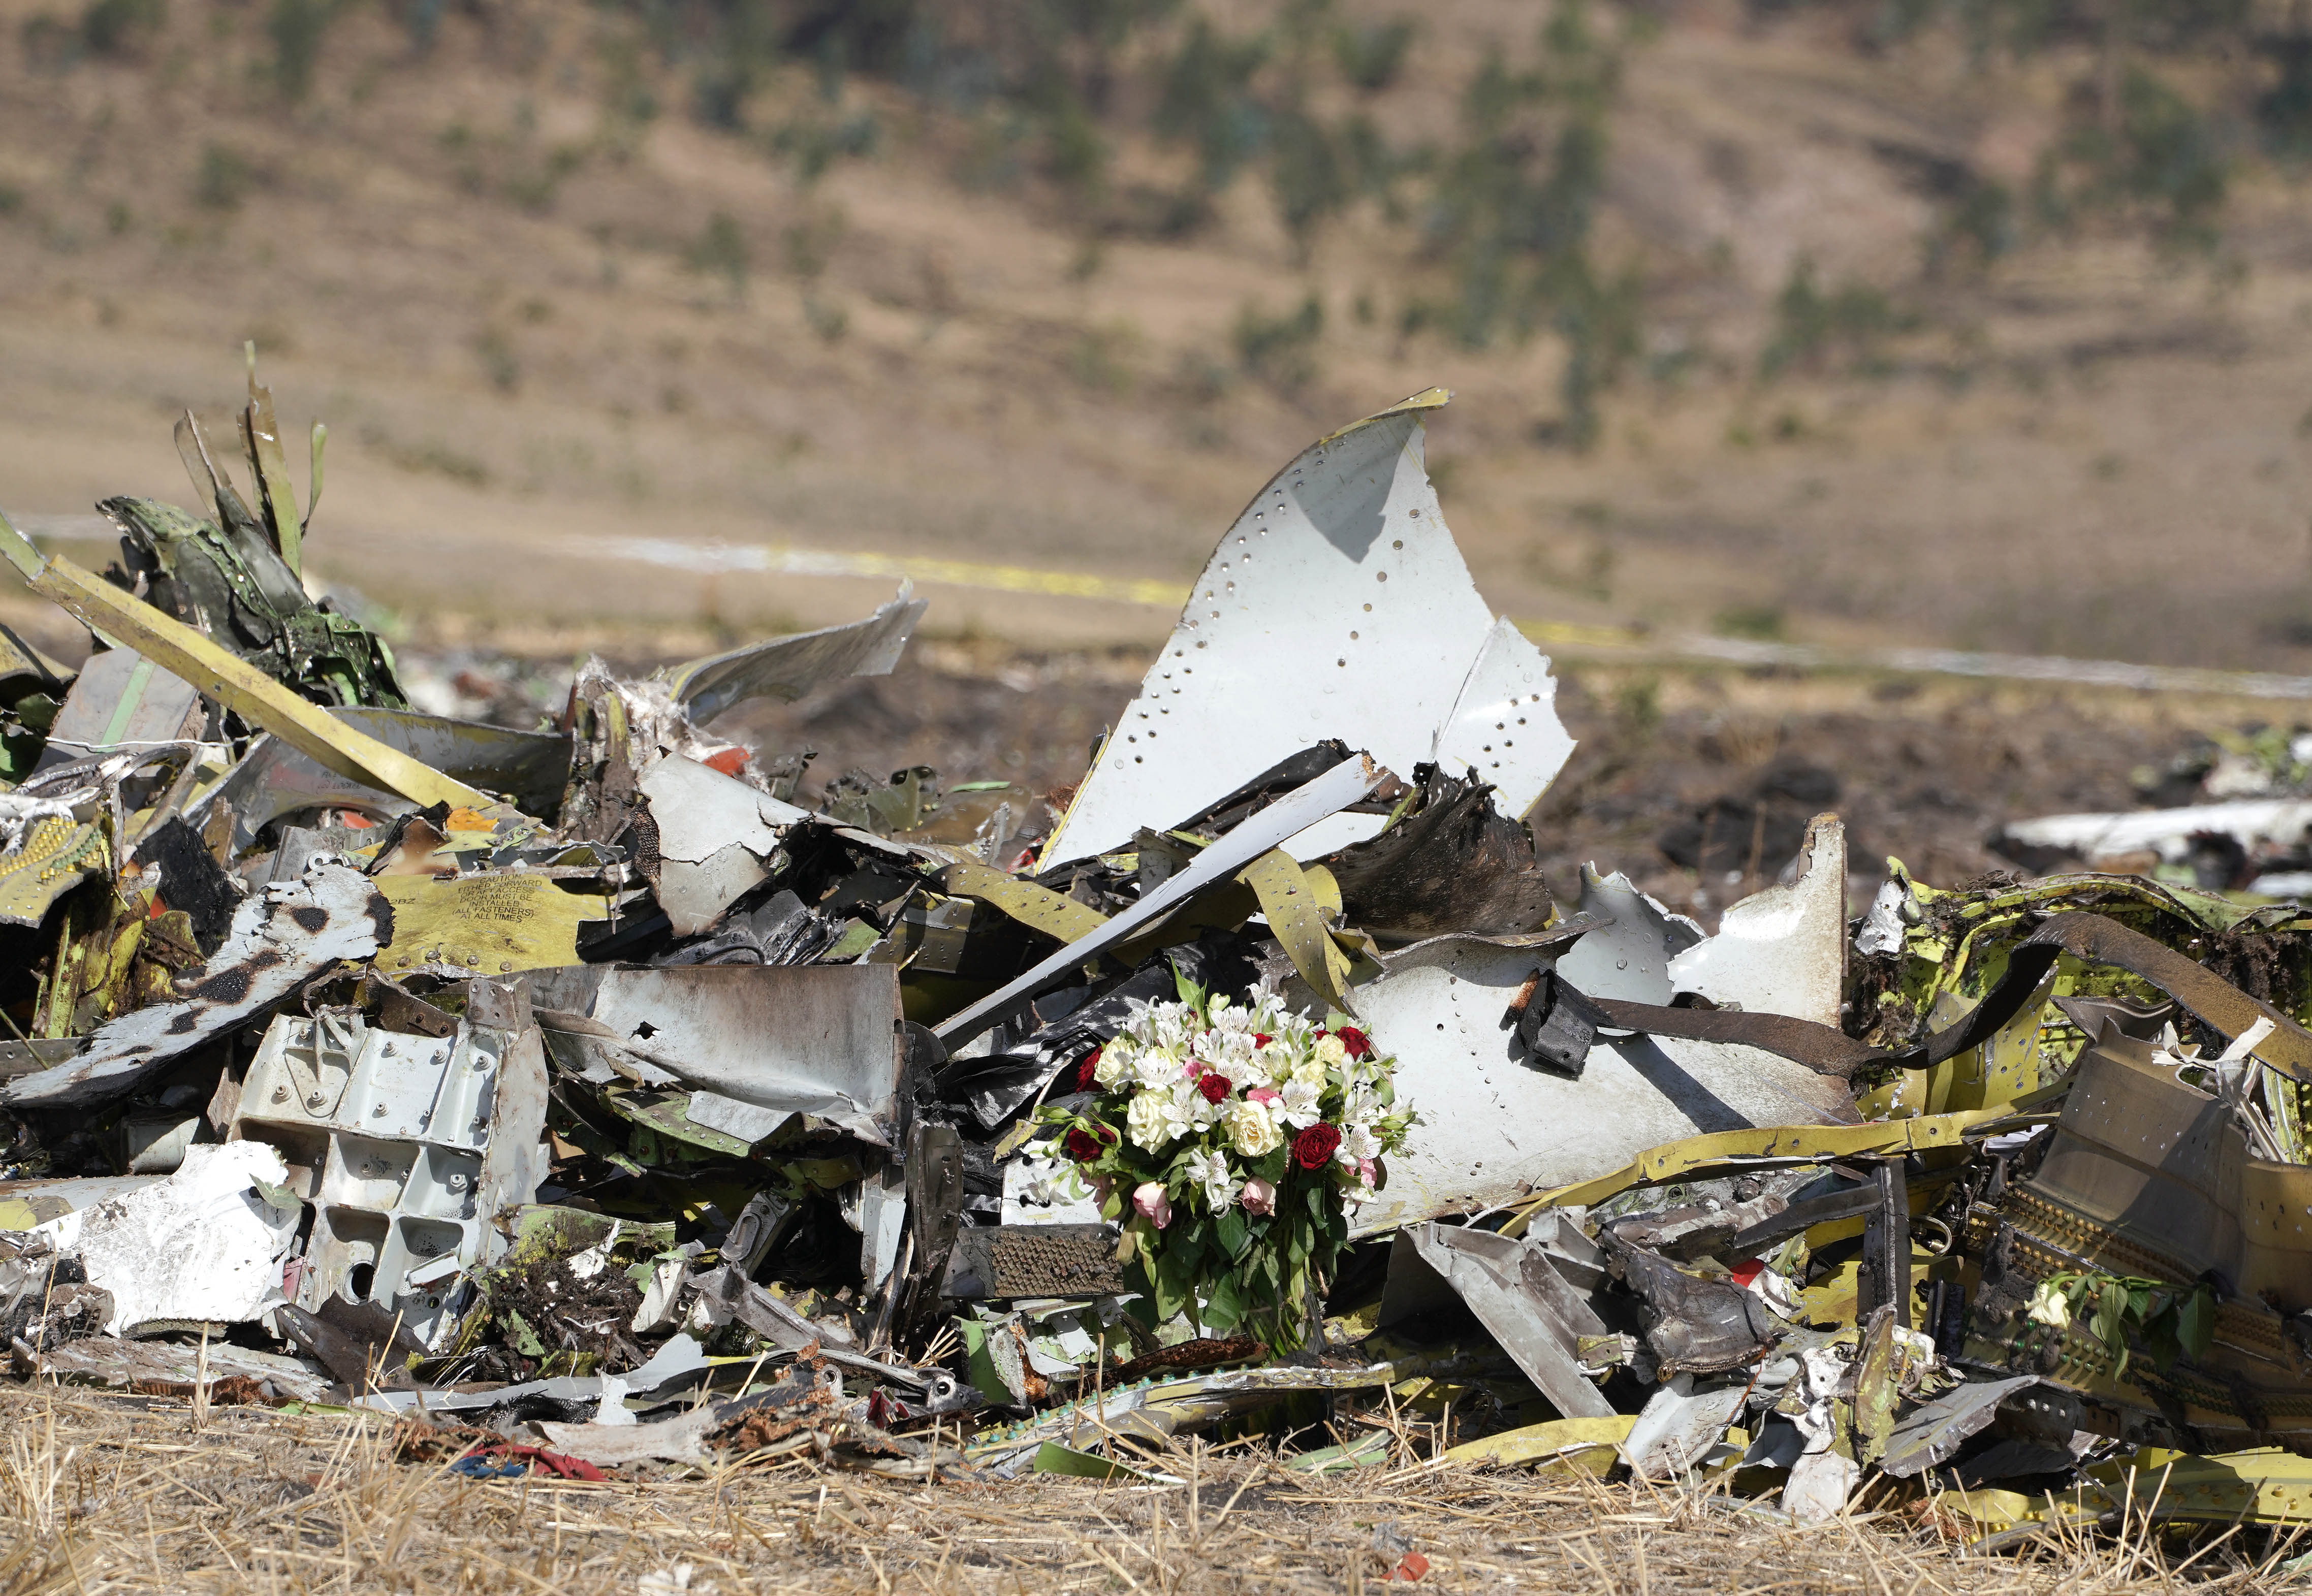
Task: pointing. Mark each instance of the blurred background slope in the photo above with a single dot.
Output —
(1984, 324)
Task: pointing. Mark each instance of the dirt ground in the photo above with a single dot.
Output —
(104, 1493)
(2092, 451)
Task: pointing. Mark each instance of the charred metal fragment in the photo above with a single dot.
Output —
(1693, 1325)
(1452, 862)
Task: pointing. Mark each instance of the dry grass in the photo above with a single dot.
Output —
(102, 1493)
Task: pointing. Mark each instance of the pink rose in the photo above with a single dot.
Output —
(1365, 1167)
(1263, 1094)
(1149, 1199)
(1258, 1198)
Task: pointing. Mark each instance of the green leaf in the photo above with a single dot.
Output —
(1225, 1307)
(1229, 1231)
(1173, 1285)
(2195, 1322)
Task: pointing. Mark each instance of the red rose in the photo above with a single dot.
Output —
(1360, 1046)
(1084, 1147)
(1261, 1039)
(1314, 1145)
(1084, 1081)
(1215, 1088)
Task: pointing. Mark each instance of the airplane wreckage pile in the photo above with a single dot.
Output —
(577, 1099)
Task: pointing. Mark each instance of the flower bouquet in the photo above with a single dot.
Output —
(1231, 1139)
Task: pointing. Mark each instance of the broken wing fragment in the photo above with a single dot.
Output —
(280, 939)
(1336, 607)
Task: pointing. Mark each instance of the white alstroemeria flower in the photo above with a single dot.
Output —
(1211, 1170)
(1156, 1069)
(1298, 1107)
(1180, 1108)
(1239, 1059)
(1362, 1110)
(1358, 1143)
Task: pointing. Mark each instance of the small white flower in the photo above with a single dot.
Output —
(1211, 1170)
(1299, 1104)
(1358, 1144)
(1156, 1069)
(2049, 1307)
(1183, 1108)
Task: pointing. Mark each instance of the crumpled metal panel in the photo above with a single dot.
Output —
(1932, 1433)
(1300, 811)
(824, 1040)
(1336, 606)
(1782, 951)
(1495, 1127)
(716, 834)
(203, 1244)
(1629, 956)
(273, 779)
(280, 939)
(789, 667)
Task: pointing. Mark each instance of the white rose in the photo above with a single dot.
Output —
(1330, 1051)
(1251, 1131)
(1147, 1122)
(1115, 1064)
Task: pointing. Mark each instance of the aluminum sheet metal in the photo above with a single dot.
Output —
(1336, 606)
(1493, 1127)
(823, 1039)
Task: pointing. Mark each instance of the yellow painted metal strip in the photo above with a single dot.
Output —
(1587, 1443)
(1298, 914)
(239, 686)
(1039, 908)
(1673, 1159)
